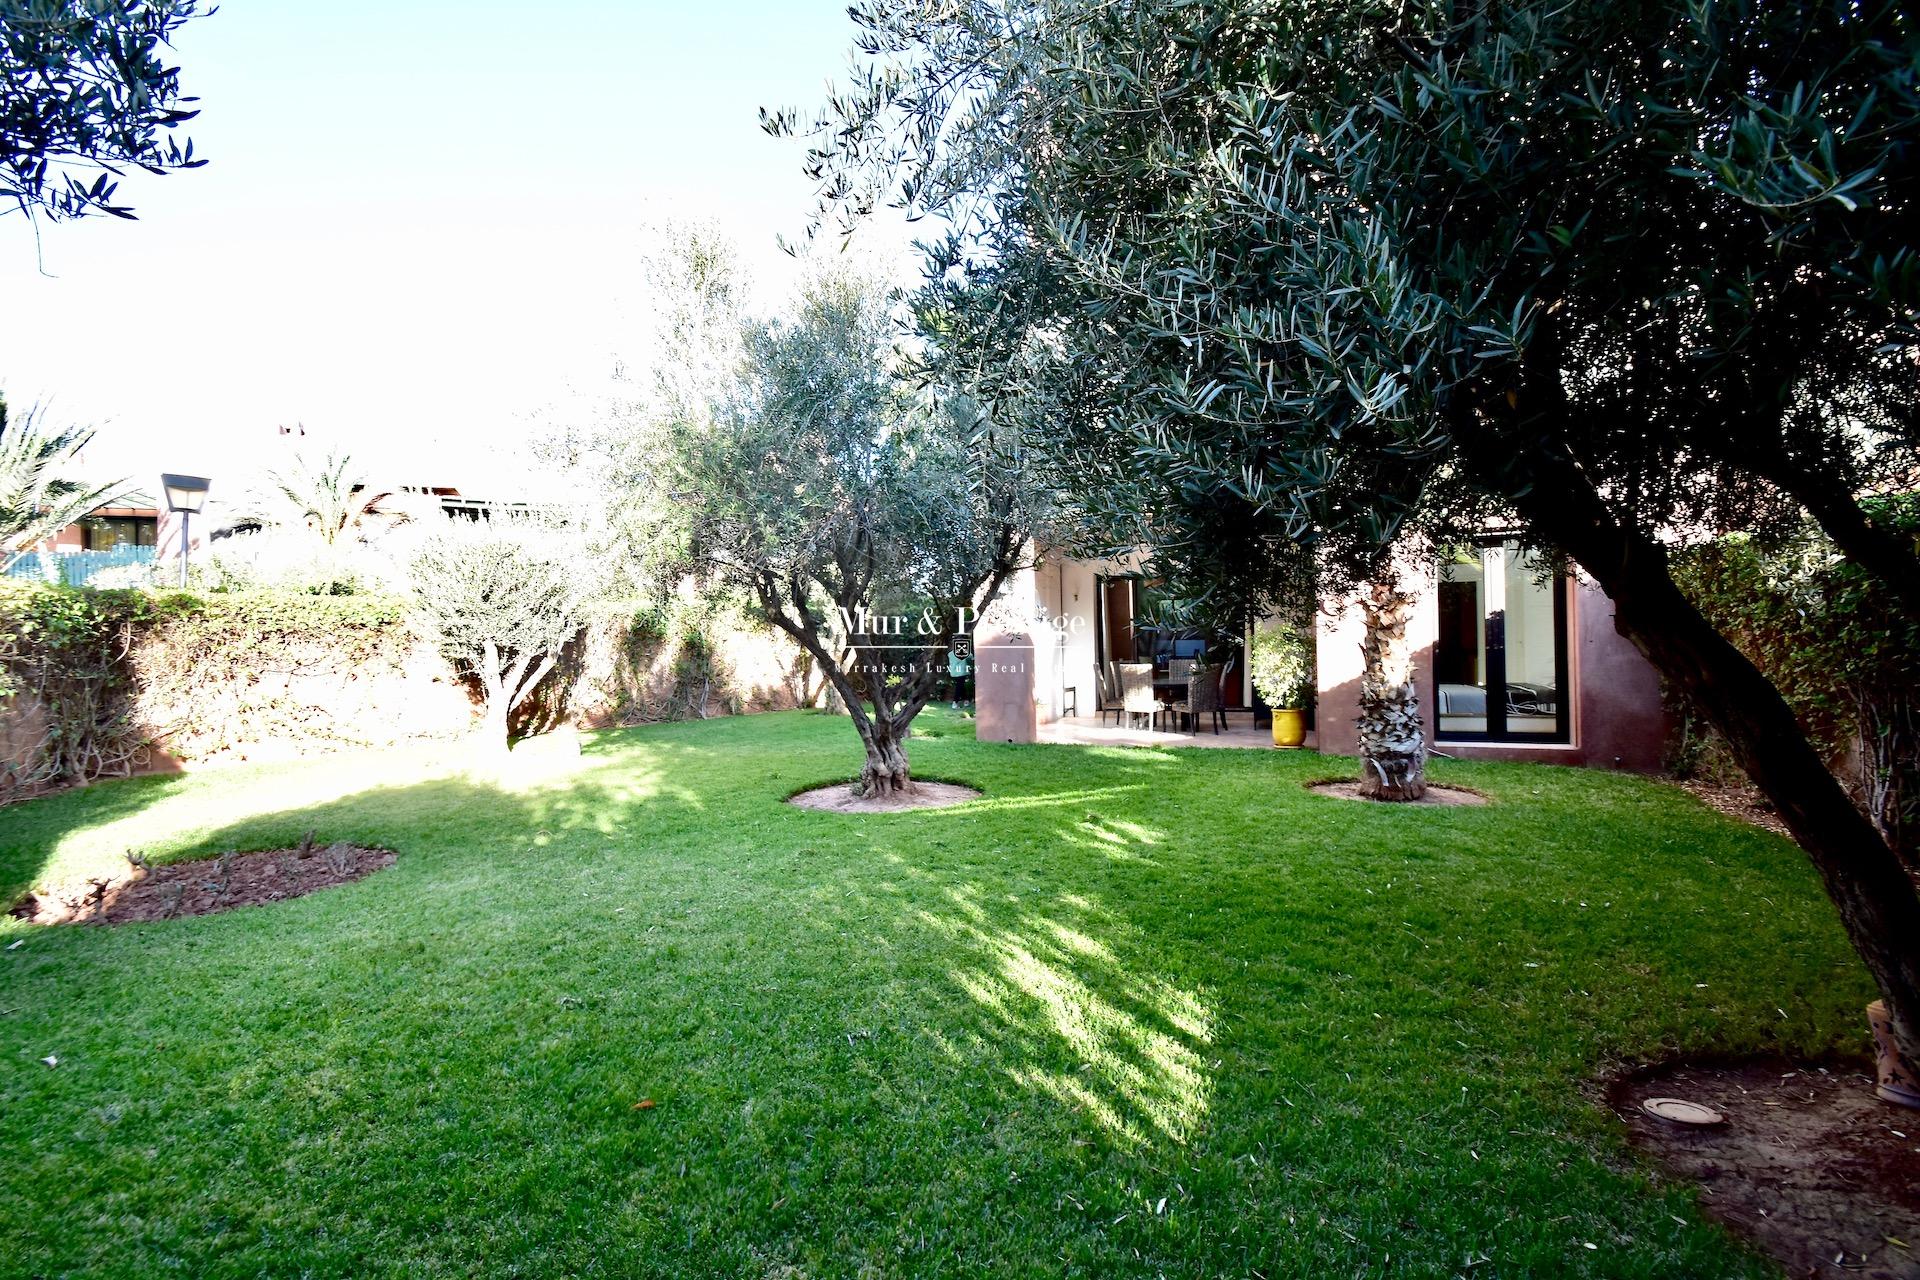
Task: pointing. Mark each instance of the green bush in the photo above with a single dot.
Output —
(65, 686)
(1826, 635)
(1281, 665)
(85, 673)
(92, 681)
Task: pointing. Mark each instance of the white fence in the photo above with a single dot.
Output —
(76, 568)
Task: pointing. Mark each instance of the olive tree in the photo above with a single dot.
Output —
(862, 517)
(86, 93)
(680, 361)
(1619, 268)
(1226, 554)
(500, 598)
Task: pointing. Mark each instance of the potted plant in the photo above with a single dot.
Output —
(1282, 669)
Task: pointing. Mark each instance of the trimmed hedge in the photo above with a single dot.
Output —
(102, 683)
(66, 684)
(95, 680)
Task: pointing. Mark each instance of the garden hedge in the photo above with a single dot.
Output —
(103, 683)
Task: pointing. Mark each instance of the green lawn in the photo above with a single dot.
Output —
(1137, 1013)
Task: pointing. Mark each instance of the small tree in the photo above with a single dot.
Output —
(686, 353)
(37, 496)
(864, 520)
(84, 96)
(499, 598)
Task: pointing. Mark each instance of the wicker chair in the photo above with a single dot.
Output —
(1179, 668)
(1205, 698)
(1202, 696)
(1136, 691)
(1229, 678)
(1107, 681)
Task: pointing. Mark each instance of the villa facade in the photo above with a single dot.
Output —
(1513, 662)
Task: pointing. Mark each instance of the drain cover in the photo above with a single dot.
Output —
(1680, 1111)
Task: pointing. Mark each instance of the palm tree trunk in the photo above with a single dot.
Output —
(1393, 741)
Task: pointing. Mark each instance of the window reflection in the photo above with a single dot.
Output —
(1500, 655)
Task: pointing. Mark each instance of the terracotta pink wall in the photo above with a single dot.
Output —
(1006, 662)
(1618, 720)
(1003, 705)
(1622, 722)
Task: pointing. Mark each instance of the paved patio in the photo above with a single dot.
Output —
(1088, 731)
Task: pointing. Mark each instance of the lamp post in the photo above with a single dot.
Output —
(186, 495)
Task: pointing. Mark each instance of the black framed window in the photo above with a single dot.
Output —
(103, 533)
(1500, 656)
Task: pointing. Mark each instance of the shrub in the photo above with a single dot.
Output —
(500, 599)
(293, 561)
(1281, 665)
(1830, 640)
(97, 683)
(66, 685)
(229, 671)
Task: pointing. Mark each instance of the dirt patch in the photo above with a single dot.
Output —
(1742, 802)
(839, 798)
(1810, 1165)
(203, 886)
(1347, 789)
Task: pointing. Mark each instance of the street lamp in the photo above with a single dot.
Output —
(185, 496)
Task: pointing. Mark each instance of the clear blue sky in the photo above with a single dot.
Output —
(419, 223)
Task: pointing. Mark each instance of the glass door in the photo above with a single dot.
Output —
(1500, 655)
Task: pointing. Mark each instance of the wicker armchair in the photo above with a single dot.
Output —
(1136, 691)
(1204, 698)
(1229, 679)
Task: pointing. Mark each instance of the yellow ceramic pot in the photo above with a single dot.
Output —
(1289, 728)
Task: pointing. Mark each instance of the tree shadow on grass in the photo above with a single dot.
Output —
(29, 841)
(1057, 997)
(1070, 1018)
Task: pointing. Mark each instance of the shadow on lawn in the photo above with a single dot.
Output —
(25, 854)
(1064, 995)
(1053, 992)
(1072, 1019)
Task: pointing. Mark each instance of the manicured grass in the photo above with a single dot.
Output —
(1137, 1013)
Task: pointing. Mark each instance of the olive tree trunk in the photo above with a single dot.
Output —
(886, 772)
(505, 685)
(1871, 891)
(1393, 741)
(1888, 768)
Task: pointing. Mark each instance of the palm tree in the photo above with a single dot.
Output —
(330, 499)
(36, 499)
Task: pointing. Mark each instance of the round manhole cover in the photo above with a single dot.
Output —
(1680, 1111)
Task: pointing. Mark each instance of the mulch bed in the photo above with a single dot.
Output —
(203, 886)
(1742, 802)
(925, 795)
(1810, 1165)
(1436, 794)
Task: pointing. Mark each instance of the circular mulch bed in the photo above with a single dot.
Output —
(839, 798)
(203, 886)
(1347, 789)
(1809, 1164)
